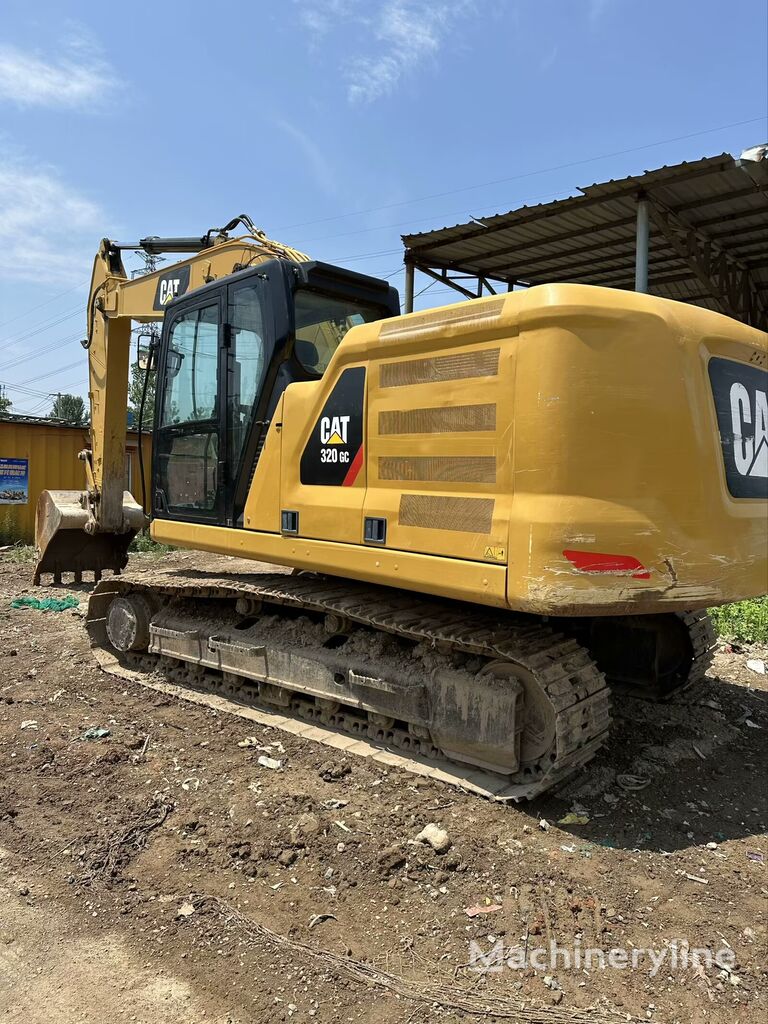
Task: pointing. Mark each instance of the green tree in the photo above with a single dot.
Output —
(5, 402)
(71, 409)
(135, 389)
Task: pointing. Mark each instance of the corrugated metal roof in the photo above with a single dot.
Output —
(590, 238)
(50, 421)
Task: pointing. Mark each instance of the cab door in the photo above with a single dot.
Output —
(216, 350)
(189, 451)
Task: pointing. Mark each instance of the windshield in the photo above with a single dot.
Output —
(321, 323)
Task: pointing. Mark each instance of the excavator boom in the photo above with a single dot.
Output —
(92, 530)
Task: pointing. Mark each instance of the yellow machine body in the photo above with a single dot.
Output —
(554, 451)
(581, 470)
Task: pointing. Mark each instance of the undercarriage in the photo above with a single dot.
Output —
(503, 704)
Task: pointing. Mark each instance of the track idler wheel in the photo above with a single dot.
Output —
(504, 724)
(128, 620)
(537, 729)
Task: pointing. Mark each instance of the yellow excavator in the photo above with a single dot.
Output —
(497, 512)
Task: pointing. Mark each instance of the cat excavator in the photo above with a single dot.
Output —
(497, 513)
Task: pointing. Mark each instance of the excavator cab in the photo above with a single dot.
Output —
(227, 353)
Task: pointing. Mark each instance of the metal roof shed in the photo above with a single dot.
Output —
(696, 232)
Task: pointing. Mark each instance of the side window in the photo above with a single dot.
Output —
(187, 445)
(247, 365)
(192, 368)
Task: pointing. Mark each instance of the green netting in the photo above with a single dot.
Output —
(46, 604)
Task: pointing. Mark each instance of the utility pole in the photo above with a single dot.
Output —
(151, 261)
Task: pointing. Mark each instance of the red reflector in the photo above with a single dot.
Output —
(593, 561)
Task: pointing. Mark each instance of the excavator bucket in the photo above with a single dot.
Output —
(63, 545)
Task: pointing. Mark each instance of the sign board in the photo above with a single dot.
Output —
(14, 481)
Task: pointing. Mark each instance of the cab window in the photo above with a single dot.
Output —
(321, 323)
(187, 447)
(247, 364)
(192, 368)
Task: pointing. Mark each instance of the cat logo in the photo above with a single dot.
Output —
(170, 286)
(740, 391)
(334, 429)
(169, 290)
(749, 417)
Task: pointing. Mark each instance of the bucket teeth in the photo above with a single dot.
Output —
(61, 577)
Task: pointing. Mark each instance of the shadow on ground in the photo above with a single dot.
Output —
(673, 775)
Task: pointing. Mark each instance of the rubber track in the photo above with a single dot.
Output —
(702, 636)
(563, 668)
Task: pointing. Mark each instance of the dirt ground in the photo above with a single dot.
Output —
(161, 874)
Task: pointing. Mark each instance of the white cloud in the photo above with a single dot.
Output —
(597, 9)
(48, 230)
(77, 79)
(395, 37)
(322, 170)
(549, 58)
(319, 16)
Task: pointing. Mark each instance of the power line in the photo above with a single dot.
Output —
(37, 393)
(44, 326)
(47, 302)
(493, 207)
(34, 392)
(59, 343)
(36, 412)
(425, 289)
(47, 325)
(56, 321)
(341, 260)
(526, 174)
(36, 409)
(51, 373)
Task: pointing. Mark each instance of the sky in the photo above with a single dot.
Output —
(336, 125)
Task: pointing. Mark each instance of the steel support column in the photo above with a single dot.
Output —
(642, 234)
(410, 275)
